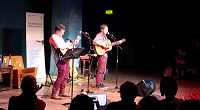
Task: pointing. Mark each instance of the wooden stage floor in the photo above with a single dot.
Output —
(184, 90)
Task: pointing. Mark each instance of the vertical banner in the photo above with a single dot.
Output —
(35, 42)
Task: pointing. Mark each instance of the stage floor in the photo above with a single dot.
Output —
(81, 84)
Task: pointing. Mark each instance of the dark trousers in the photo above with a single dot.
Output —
(63, 74)
(102, 62)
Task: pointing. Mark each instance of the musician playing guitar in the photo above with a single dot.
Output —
(63, 66)
(100, 43)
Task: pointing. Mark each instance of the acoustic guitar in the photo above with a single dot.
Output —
(70, 45)
(101, 50)
(75, 71)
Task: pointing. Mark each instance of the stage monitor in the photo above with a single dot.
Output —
(100, 100)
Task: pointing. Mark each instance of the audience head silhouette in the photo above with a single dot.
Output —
(189, 105)
(82, 102)
(29, 84)
(149, 103)
(168, 87)
(27, 100)
(128, 91)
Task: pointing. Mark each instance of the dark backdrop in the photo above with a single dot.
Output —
(153, 29)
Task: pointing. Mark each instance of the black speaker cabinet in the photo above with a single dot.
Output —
(146, 87)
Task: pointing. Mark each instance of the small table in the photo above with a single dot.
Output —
(5, 70)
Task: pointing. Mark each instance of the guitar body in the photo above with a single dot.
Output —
(101, 50)
(75, 71)
(68, 43)
(63, 51)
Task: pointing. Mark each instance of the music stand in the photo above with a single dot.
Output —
(72, 54)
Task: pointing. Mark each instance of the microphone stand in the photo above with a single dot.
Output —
(72, 70)
(88, 91)
(118, 46)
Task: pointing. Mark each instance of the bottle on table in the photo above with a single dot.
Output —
(10, 61)
(4, 61)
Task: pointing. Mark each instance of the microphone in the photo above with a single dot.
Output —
(83, 32)
(70, 39)
(110, 34)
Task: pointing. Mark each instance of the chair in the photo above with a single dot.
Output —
(19, 71)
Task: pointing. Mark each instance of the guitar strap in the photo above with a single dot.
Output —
(57, 51)
(104, 37)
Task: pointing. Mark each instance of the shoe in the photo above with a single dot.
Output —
(63, 95)
(56, 97)
(194, 96)
(103, 86)
(98, 86)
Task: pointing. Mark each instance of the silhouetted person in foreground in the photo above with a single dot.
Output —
(149, 103)
(82, 102)
(169, 88)
(128, 93)
(189, 105)
(27, 100)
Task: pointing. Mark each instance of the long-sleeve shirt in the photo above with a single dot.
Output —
(98, 37)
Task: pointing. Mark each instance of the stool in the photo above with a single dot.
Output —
(85, 59)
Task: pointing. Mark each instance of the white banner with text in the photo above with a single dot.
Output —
(35, 42)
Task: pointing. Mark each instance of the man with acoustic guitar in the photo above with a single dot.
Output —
(58, 42)
(102, 45)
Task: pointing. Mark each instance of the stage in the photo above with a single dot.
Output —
(80, 85)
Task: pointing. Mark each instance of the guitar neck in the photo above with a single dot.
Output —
(114, 43)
